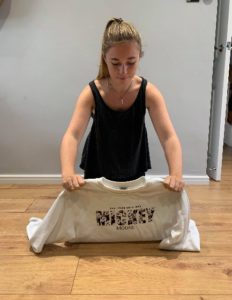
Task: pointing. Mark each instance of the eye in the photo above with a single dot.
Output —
(129, 64)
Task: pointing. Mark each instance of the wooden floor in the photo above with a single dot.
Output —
(130, 271)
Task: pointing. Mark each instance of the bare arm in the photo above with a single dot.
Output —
(72, 138)
(168, 138)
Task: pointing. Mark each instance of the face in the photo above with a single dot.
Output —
(122, 61)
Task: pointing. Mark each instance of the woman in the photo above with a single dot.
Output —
(117, 146)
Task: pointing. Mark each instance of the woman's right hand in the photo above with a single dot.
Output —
(71, 182)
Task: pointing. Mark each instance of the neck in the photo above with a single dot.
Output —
(120, 87)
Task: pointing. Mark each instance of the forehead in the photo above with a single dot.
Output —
(123, 50)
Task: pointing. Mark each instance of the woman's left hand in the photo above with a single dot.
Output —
(174, 183)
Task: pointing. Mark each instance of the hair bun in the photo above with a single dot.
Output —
(111, 21)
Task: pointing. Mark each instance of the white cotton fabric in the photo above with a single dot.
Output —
(109, 211)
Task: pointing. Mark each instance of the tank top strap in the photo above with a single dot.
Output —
(143, 85)
(95, 92)
(142, 91)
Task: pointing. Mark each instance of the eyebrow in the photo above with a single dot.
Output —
(114, 58)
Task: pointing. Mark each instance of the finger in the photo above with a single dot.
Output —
(68, 183)
(80, 180)
(167, 181)
(182, 185)
(75, 183)
(65, 183)
(172, 182)
(71, 184)
(179, 186)
(67, 187)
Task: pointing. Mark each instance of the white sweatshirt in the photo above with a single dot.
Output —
(109, 211)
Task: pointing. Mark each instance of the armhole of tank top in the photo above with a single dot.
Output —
(144, 90)
(144, 85)
(94, 92)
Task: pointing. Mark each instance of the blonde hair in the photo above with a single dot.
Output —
(117, 31)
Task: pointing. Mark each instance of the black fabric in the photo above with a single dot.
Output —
(117, 145)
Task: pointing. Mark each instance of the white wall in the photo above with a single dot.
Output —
(50, 49)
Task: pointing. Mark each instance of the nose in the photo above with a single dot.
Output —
(123, 69)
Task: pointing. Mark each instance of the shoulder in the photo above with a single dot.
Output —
(86, 96)
(153, 95)
(101, 84)
(87, 92)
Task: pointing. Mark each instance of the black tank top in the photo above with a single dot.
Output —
(117, 145)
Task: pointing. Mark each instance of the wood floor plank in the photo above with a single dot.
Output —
(211, 197)
(212, 221)
(28, 193)
(31, 186)
(204, 207)
(15, 205)
(154, 275)
(14, 245)
(35, 275)
(115, 297)
(5, 186)
(15, 223)
(216, 243)
(40, 205)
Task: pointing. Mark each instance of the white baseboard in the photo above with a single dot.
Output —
(56, 179)
(196, 179)
(190, 179)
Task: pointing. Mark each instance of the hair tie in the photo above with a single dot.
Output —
(119, 20)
